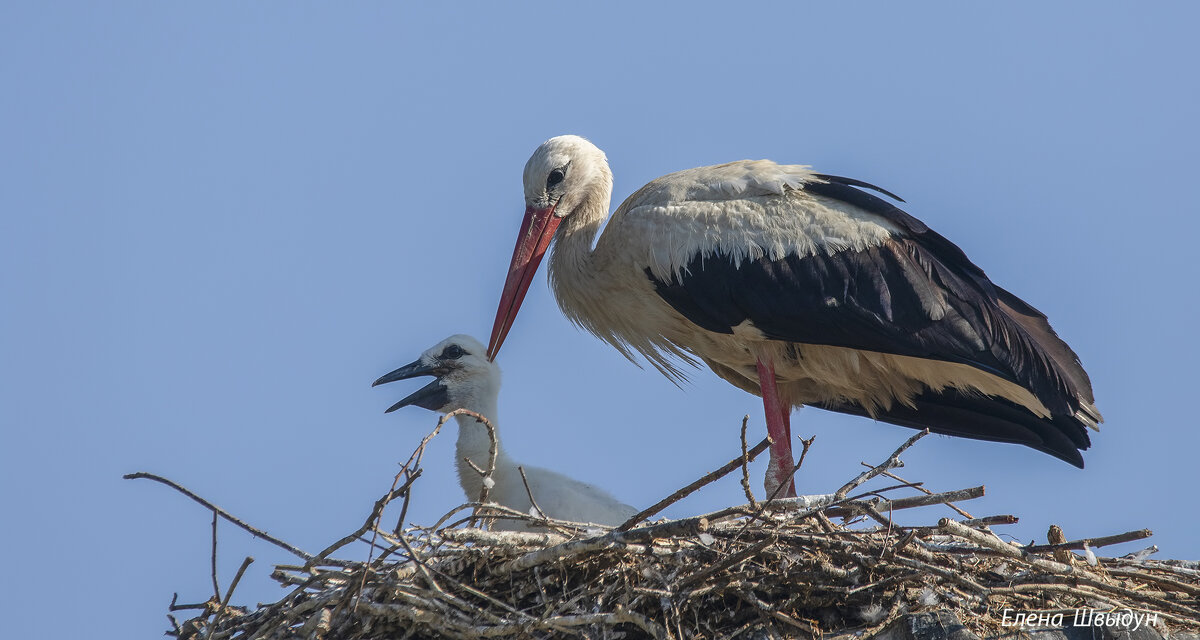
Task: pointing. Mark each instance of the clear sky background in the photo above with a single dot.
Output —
(220, 222)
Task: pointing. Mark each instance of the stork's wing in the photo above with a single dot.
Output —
(914, 294)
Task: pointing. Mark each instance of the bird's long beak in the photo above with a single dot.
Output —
(537, 229)
(432, 396)
(410, 370)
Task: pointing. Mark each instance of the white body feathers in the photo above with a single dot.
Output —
(473, 383)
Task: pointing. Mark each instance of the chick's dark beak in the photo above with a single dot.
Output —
(432, 396)
(410, 370)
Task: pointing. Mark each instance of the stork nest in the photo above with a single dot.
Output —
(799, 567)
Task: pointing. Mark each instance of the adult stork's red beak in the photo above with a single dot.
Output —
(537, 229)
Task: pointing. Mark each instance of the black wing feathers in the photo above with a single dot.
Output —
(855, 299)
(953, 413)
(852, 182)
(916, 294)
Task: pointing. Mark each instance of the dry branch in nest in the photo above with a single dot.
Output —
(781, 567)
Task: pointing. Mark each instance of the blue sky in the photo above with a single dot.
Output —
(220, 223)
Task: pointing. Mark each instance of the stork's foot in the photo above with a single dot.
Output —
(779, 473)
(802, 503)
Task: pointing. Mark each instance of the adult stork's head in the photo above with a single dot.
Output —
(463, 376)
(561, 176)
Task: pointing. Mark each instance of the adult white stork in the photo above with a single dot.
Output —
(466, 379)
(800, 287)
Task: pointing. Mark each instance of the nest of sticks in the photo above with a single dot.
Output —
(797, 567)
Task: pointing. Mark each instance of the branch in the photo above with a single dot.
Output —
(691, 488)
(918, 487)
(913, 501)
(216, 585)
(1102, 541)
(892, 462)
(484, 488)
(746, 465)
(225, 603)
(258, 533)
(529, 492)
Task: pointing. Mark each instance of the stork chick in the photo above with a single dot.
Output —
(466, 379)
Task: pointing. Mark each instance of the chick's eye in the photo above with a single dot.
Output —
(453, 352)
(555, 177)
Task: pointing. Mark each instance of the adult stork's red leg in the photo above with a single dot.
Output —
(779, 427)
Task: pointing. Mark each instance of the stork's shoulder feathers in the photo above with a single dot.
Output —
(748, 209)
(740, 179)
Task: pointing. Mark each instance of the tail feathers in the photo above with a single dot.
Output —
(951, 412)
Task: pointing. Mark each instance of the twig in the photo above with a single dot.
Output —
(990, 520)
(515, 539)
(892, 462)
(753, 600)
(414, 464)
(411, 474)
(806, 445)
(408, 480)
(1103, 541)
(918, 487)
(216, 585)
(484, 488)
(1003, 548)
(878, 493)
(725, 563)
(687, 527)
(563, 551)
(181, 607)
(225, 603)
(746, 465)
(787, 482)
(376, 512)
(1164, 582)
(258, 533)
(914, 501)
(691, 488)
(529, 492)
(420, 562)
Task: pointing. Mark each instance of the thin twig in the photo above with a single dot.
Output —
(918, 487)
(746, 465)
(1102, 541)
(892, 462)
(225, 603)
(774, 498)
(493, 447)
(216, 585)
(914, 501)
(412, 468)
(258, 533)
(724, 564)
(529, 492)
(376, 513)
(691, 488)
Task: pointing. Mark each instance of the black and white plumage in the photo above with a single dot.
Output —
(465, 379)
(801, 287)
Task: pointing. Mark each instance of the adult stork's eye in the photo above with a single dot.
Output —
(453, 352)
(555, 177)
